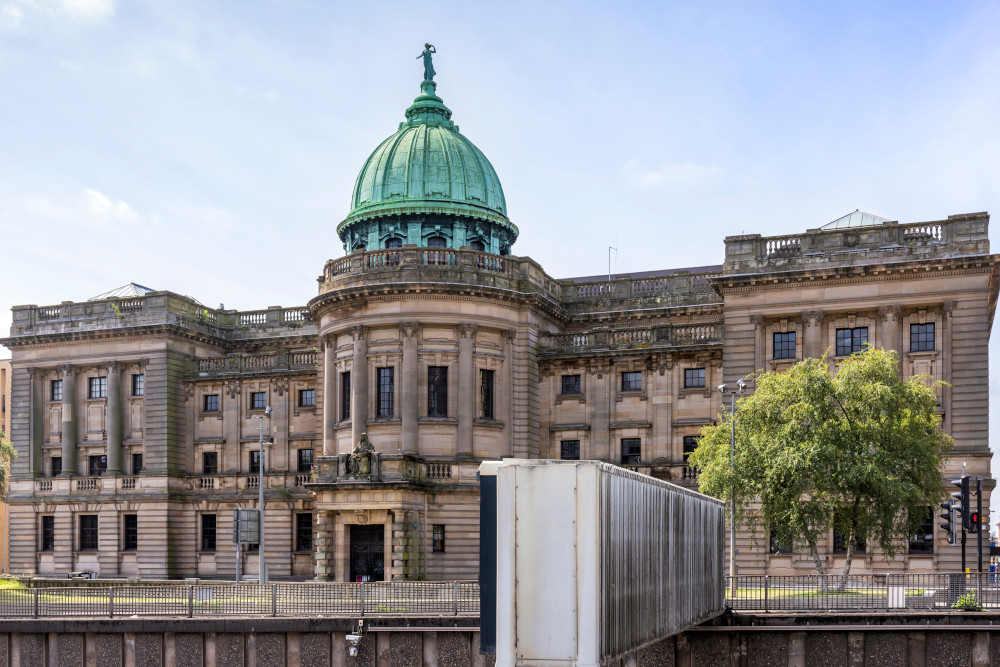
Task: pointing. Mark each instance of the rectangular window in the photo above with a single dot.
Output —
(631, 451)
(138, 384)
(208, 532)
(56, 463)
(569, 450)
(97, 387)
(386, 391)
(48, 533)
(784, 345)
(840, 542)
(305, 460)
(632, 381)
(98, 465)
(258, 400)
(777, 546)
(130, 532)
(303, 532)
(210, 463)
(211, 402)
(851, 341)
(307, 398)
(88, 532)
(345, 396)
(923, 541)
(690, 444)
(570, 384)
(922, 337)
(437, 391)
(438, 538)
(486, 394)
(55, 390)
(694, 378)
(136, 464)
(254, 463)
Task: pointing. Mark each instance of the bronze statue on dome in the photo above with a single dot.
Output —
(429, 72)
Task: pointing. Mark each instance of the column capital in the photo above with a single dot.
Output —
(408, 329)
(468, 330)
(280, 385)
(890, 313)
(233, 387)
(111, 366)
(812, 317)
(33, 372)
(949, 307)
(508, 335)
(66, 369)
(358, 332)
(758, 321)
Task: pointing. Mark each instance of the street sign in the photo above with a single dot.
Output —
(246, 526)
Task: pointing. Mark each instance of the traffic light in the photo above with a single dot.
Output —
(974, 522)
(949, 518)
(962, 496)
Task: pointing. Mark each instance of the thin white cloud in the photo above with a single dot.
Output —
(684, 174)
(92, 208)
(14, 14)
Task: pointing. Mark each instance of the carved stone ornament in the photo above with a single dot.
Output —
(280, 385)
(758, 321)
(188, 390)
(468, 330)
(66, 369)
(360, 462)
(663, 363)
(600, 367)
(232, 388)
(852, 238)
(358, 332)
(811, 317)
(362, 516)
(110, 366)
(408, 329)
(949, 307)
(508, 335)
(889, 313)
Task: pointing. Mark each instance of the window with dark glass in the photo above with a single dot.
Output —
(258, 400)
(851, 341)
(478, 246)
(486, 394)
(97, 387)
(690, 444)
(305, 460)
(437, 533)
(361, 246)
(303, 532)
(56, 463)
(210, 463)
(570, 384)
(130, 532)
(307, 398)
(254, 463)
(694, 378)
(394, 243)
(922, 337)
(923, 541)
(211, 402)
(631, 451)
(208, 532)
(48, 533)
(840, 543)
(253, 547)
(138, 384)
(437, 391)
(136, 463)
(632, 381)
(386, 391)
(437, 242)
(784, 345)
(98, 465)
(88, 532)
(345, 396)
(776, 546)
(569, 450)
(55, 390)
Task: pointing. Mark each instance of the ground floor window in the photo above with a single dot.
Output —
(130, 532)
(303, 532)
(208, 532)
(923, 541)
(88, 532)
(48, 541)
(631, 451)
(569, 450)
(438, 538)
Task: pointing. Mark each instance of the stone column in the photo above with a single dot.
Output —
(507, 392)
(410, 412)
(359, 385)
(68, 421)
(759, 353)
(36, 419)
(947, 350)
(330, 407)
(114, 419)
(466, 387)
(892, 338)
(600, 425)
(812, 323)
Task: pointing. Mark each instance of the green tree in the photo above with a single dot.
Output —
(859, 451)
(7, 454)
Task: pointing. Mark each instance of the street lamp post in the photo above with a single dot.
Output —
(724, 389)
(261, 566)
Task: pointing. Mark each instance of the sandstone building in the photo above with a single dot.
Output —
(136, 414)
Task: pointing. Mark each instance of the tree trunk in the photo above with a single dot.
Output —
(820, 565)
(847, 561)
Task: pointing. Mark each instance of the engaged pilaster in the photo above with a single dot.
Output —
(408, 334)
(359, 384)
(68, 421)
(466, 386)
(892, 333)
(114, 419)
(328, 346)
(812, 322)
(36, 416)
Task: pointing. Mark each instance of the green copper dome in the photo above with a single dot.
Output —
(428, 184)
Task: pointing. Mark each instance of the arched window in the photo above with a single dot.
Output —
(360, 247)
(437, 242)
(478, 245)
(394, 243)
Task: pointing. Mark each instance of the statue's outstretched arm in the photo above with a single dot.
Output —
(433, 49)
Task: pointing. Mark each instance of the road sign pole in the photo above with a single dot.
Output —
(979, 519)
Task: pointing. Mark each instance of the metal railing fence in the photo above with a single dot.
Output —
(390, 598)
(862, 592)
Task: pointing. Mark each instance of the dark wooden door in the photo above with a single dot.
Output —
(367, 553)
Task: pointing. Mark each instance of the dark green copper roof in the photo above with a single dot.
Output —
(428, 166)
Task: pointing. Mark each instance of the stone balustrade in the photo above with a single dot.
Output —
(273, 362)
(647, 337)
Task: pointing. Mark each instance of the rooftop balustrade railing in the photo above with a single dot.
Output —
(693, 334)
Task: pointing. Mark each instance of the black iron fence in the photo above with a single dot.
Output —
(864, 592)
(390, 598)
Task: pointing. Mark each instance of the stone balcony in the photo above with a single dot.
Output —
(271, 363)
(243, 483)
(958, 235)
(643, 338)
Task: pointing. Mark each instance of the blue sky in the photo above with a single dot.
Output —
(210, 148)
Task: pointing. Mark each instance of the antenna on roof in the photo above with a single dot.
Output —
(610, 248)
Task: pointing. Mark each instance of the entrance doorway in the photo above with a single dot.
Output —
(368, 553)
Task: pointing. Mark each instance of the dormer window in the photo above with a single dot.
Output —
(437, 242)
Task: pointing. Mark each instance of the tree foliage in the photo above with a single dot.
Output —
(858, 451)
(7, 454)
